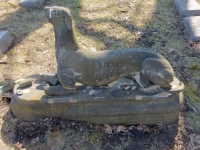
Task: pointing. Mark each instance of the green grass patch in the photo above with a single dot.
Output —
(195, 67)
(93, 137)
(191, 92)
(193, 121)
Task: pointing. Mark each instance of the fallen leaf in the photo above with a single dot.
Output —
(121, 128)
(160, 125)
(149, 130)
(18, 145)
(108, 129)
(131, 127)
(141, 127)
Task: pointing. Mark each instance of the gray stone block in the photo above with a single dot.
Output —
(188, 7)
(31, 3)
(5, 41)
(192, 25)
(149, 106)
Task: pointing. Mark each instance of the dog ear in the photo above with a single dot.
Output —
(68, 22)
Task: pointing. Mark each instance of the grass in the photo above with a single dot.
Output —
(193, 121)
(101, 25)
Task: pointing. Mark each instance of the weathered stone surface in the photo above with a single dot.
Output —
(98, 68)
(31, 3)
(101, 101)
(50, 78)
(112, 105)
(24, 83)
(58, 90)
(5, 41)
(188, 7)
(141, 80)
(93, 91)
(192, 25)
(144, 81)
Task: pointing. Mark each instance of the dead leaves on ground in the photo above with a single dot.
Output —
(121, 128)
(18, 145)
(7, 95)
(194, 142)
(109, 129)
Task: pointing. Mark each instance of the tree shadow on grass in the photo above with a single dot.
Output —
(25, 26)
(20, 24)
(154, 34)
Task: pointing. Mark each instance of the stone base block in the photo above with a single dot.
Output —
(192, 25)
(112, 105)
(188, 7)
(5, 41)
(31, 3)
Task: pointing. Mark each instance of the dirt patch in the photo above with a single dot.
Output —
(57, 133)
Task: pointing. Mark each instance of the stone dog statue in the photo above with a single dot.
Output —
(98, 68)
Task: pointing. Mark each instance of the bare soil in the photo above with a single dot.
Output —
(57, 133)
(99, 25)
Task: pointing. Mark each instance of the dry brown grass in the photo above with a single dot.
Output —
(102, 25)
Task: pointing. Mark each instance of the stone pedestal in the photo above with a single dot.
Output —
(192, 26)
(151, 106)
(188, 7)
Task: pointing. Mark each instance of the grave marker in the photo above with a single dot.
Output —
(5, 41)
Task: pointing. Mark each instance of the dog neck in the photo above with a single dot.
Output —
(65, 38)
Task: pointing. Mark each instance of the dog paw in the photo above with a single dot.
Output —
(158, 71)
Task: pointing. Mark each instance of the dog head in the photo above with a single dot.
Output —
(58, 16)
